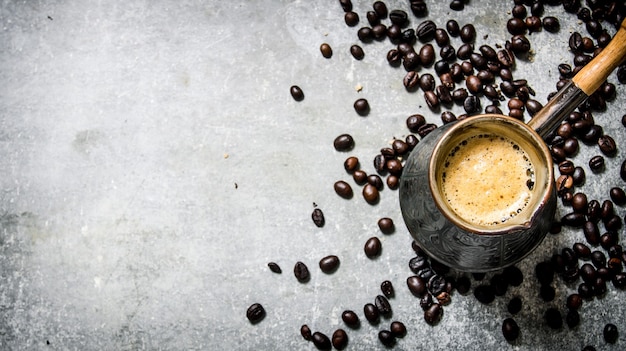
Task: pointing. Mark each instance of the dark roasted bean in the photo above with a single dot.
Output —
(386, 225)
(484, 293)
(296, 93)
(373, 247)
(453, 28)
(365, 34)
(371, 313)
(515, 305)
(416, 285)
(329, 264)
(343, 189)
(426, 31)
(553, 318)
(301, 271)
(339, 339)
(321, 341)
(351, 164)
(361, 106)
(357, 52)
(386, 338)
(351, 18)
(610, 333)
(318, 217)
(343, 142)
(383, 306)
(360, 177)
(326, 50)
(387, 289)
(468, 33)
(398, 17)
(305, 331)
(427, 82)
(398, 329)
(551, 24)
(414, 122)
(596, 163)
(411, 80)
(607, 145)
(350, 318)
(255, 313)
(433, 314)
(274, 267)
(516, 26)
(510, 329)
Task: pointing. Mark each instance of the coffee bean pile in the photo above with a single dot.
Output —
(470, 76)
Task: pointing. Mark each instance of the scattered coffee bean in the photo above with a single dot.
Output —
(357, 52)
(416, 285)
(383, 306)
(386, 225)
(553, 318)
(510, 329)
(387, 289)
(433, 314)
(484, 293)
(305, 331)
(386, 338)
(398, 329)
(326, 50)
(321, 341)
(351, 18)
(329, 264)
(318, 217)
(426, 31)
(362, 107)
(607, 145)
(515, 305)
(296, 93)
(610, 333)
(301, 272)
(343, 189)
(468, 33)
(343, 142)
(255, 313)
(274, 267)
(371, 313)
(340, 339)
(572, 318)
(596, 163)
(370, 194)
(350, 318)
(551, 24)
(373, 247)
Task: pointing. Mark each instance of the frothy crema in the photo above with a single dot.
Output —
(487, 179)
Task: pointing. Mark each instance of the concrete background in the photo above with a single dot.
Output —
(153, 162)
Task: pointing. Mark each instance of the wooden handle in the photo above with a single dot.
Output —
(595, 72)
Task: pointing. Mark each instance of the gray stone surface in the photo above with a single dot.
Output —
(153, 162)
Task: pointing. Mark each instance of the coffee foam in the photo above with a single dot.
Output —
(487, 179)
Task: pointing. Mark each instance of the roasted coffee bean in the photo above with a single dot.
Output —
(510, 329)
(474, 85)
(394, 58)
(618, 196)
(544, 272)
(398, 17)
(588, 273)
(408, 36)
(370, 194)
(321, 341)
(610, 333)
(365, 34)
(326, 50)
(619, 280)
(387, 289)
(459, 95)
(447, 117)
(416, 285)
(357, 52)
(386, 225)
(274, 267)
(468, 33)
(582, 251)
(255, 313)
(379, 31)
(383, 306)
(426, 31)
(351, 164)
(570, 147)
(301, 272)
(296, 93)
(520, 44)
(453, 28)
(427, 82)
(318, 217)
(340, 339)
(431, 99)
(516, 26)
(566, 167)
(381, 9)
(343, 189)
(447, 53)
(573, 219)
(411, 80)
(393, 182)
(471, 105)
(463, 285)
(578, 176)
(551, 24)
(575, 42)
(515, 305)
(360, 177)
(414, 122)
(519, 11)
(553, 318)
(400, 147)
(441, 37)
(398, 329)
(361, 106)
(350, 318)
(464, 52)
(442, 67)
(305, 331)
(418, 263)
(607, 145)
(505, 58)
(484, 293)
(436, 284)
(343, 142)
(608, 210)
(499, 284)
(373, 247)
(478, 61)
(533, 24)
(426, 129)
(457, 5)
(592, 233)
(351, 18)
(433, 314)
(329, 264)
(371, 313)
(574, 301)
(596, 163)
(386, 338)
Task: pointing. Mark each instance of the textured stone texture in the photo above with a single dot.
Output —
(153, 162)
